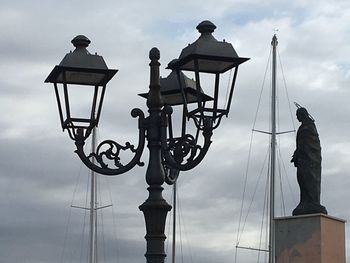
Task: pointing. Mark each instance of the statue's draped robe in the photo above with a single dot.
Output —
(308, 162)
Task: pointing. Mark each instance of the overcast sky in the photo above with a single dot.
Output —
(41, 176)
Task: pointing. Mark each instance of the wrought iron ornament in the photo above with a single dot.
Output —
(113, 151)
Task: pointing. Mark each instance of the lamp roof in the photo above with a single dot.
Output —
(171, 91)
(213, 56)
(81, 61)
(81, 57)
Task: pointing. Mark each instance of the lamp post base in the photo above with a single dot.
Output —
(155, 210)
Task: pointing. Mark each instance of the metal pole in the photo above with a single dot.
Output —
(273, 154)
(155, 208)
(93, 221)
(174, 224)
(95, 210)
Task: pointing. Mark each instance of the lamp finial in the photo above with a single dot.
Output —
(81, 41)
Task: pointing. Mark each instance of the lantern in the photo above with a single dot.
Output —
(80, 68)
(208, 56)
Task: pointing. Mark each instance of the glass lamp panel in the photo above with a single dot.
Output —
(220, 88)
(176, 98)
(79, 106)
(83, 78)
(171, 90)
(208, 66)
(81, 101)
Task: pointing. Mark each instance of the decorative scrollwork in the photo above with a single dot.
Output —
(112, 153)
(183, 153)
(110, 150)
(183, 146)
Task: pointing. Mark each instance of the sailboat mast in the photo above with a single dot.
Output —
(174, 224)
(93, 202)
(273, 154)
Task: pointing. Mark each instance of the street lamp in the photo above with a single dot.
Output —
(204, 56)
(80, 68)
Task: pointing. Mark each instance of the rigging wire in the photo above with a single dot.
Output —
(168, 227)
(102, 221)
(249, 156)
(183, 225)
(278, 146)
(283, 202)
(285, 87)
(180, 228)
(250, 148)
(115, 231)
(262, 88)
(268, 206)
(267, 223)
(288, 182)
(255, 190)
(69, 217)
(283, 206)
(244, 190)
(84, 223)
(265, 209)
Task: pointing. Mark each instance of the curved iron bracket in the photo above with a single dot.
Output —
(183, 153)
(113, 150)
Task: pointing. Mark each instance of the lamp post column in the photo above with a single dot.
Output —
(155, 208)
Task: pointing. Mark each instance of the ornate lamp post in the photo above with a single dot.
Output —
(166, 153)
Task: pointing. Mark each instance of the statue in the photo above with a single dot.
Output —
(307, 159)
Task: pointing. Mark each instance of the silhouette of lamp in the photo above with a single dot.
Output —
(204, 56)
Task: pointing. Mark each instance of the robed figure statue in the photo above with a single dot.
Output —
(307, 159)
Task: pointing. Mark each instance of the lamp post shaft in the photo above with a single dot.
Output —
(155, 208)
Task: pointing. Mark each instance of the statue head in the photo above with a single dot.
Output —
(303, 115)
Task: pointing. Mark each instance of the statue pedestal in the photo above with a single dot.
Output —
(314, 238)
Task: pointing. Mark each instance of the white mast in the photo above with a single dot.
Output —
(93, 208)
(274, 44)
(174, 224)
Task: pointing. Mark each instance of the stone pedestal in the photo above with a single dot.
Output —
(315, 238)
